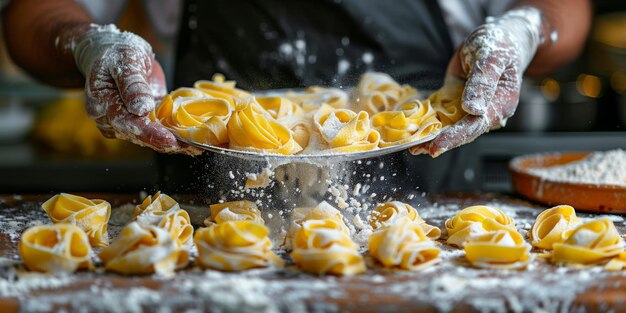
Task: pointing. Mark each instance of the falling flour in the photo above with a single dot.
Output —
(599, 168)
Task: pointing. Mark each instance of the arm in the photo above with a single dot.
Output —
(493, 59)
(31, 29)
(55, 41)
(571, 20)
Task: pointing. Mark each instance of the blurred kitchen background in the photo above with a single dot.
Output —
(47, 143)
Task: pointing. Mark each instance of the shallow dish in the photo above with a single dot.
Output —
(600, 198)
(307, 158)
(318, 158)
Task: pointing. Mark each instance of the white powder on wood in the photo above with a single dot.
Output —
(445, 287)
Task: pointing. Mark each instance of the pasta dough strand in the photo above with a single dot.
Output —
(346, 131)
(163, 211)
(552, 226)
(56, 249)
(321, 246)
(251, 128)
(235, 246)
(471, 221)
(389, 213)
(590, 243)
(500, 247)
(91, 216)
(403, 245)
(410, 122)
(144, 250)
(234, 211)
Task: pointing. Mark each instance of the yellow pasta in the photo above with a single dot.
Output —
(300, 129)
(279, 107)
(470, 222)
(201, 119)
(346, 131)
(389, 213)
(314, 97)
(403, 245)
(590, 243)
(412, 121)
(501, 247)
(322, 247)
(218, 87)
(186, 92)
(447, 102)
(553, 226)
(217, 113)
(259, 180)
(377, 92)
(57, 248)
(301, 214)
(144, 250)
(162, 211)
(154, 207)
(618, 263)
(91, 216)
(322, 211)
(235, 246)
(234, 211)
(177, 223)
(251, 128)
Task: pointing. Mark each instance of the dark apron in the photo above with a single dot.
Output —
(269, 44)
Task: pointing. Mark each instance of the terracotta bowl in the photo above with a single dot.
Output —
(600, 198)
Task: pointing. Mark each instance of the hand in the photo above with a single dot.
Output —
(492, 61)
(123, 83)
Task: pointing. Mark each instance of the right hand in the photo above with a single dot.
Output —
(123, 83)
(491, 61)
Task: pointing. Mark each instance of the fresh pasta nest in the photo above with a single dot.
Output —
(163, 211)
(473, 221)
(389, 213)
(591, 243)
(322, 211)
(91, 216)
(320, 246)
(235, 246)
(243, 210)
(403, 245)
(552, 226)
(500, 247)
(379, 113)
(158, 237)
(56, 248)
(144, 250)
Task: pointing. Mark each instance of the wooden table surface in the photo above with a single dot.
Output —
(450, 286)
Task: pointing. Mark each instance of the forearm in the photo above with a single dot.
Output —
(39, 35)
(571, 19)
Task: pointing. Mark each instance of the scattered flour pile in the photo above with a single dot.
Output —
(607, 167)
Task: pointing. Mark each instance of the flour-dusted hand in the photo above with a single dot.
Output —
(123, 83)
(491, 61)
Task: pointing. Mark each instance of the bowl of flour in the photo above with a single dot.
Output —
(590, 181)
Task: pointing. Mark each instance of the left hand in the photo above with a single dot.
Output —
(492, 61)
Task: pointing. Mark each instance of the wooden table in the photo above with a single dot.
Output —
(450, 286)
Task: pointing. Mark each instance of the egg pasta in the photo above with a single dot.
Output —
(91, 216)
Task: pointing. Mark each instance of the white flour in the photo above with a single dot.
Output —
(599, 168)
(541, 287)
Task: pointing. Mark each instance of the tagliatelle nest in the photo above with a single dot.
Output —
(379, 113)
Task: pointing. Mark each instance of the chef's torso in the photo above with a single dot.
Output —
(266, 44)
